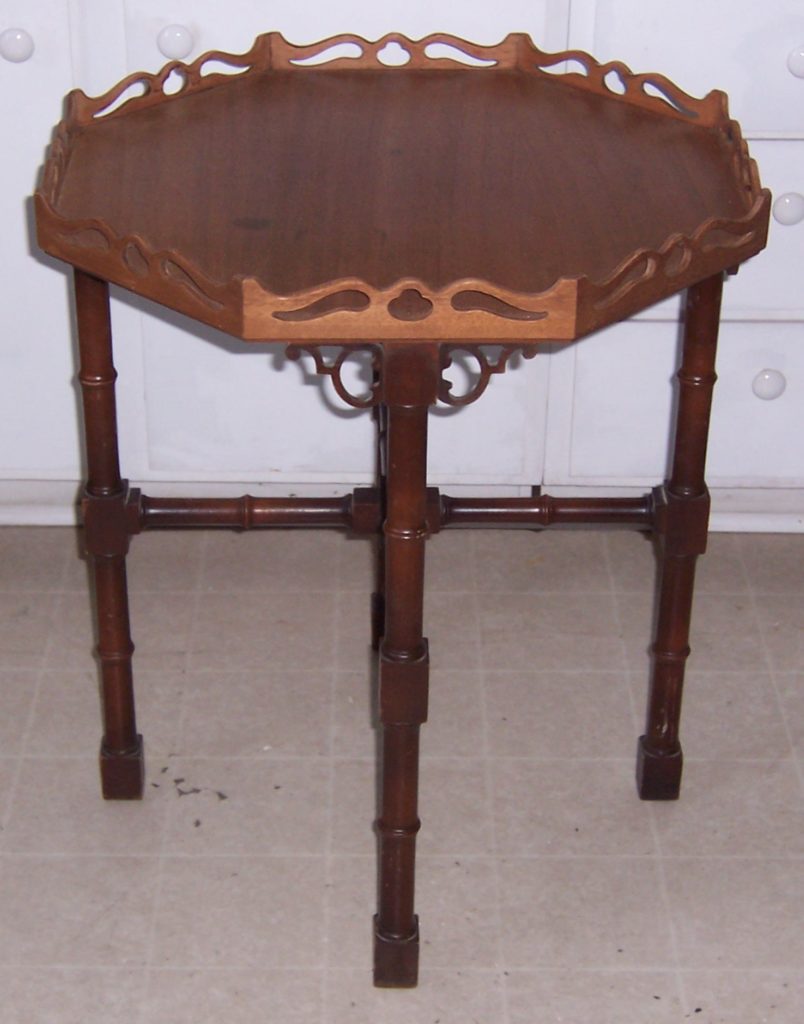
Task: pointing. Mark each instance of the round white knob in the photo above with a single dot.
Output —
(795, 61)
(789, 208)
(16, 45)
(175, 41)
(768, 384)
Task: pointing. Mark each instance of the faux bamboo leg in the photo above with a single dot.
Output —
(410, 377)
(682, 515)
(106, 534)
(378, 597)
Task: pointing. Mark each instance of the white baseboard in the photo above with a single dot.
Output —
(738, 510)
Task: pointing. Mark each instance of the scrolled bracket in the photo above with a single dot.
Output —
(487, 367)
(334, 369)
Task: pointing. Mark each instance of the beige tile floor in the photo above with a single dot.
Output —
(241, 889)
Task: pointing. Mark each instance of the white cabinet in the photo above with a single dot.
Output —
(611, 399)
(740, 46)
(38, 433)
(232, 26)
(198, 407)
(771, 286)
(611, 396)
(215, 409)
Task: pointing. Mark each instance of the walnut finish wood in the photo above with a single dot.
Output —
(410, 385)
(292, 202)
(106, 533)
(380, 413)
(363, 511)
(682, 522)
(410, 211)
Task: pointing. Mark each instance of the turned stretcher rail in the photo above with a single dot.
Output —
(244, 513)
(360, 512)
(545, 510)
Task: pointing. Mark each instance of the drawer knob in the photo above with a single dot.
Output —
(795, 61)
(768, 384)
(175, 42)
(16, 45)
(789, 208)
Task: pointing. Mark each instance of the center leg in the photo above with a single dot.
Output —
(410, 375)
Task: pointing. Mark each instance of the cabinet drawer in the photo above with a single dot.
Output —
(36, 351)
(772, 283)
(756, 441)
(741, 47)
(218, 409)
(617, 391)
(232, 26)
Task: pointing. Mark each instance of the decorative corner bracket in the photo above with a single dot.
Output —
(488, 362)
(334, 370)
(487, 366)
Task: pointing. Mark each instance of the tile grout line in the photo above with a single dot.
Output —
(658, 858)
(20, 758)
(326, 904)
(488, 779)
(772, 673)
(161, 865)
(275, 759)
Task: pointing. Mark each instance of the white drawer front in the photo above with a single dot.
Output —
(741, 47)
(756, 441)
(617, 390)
(232, 26)
(222, 410)
(772, 284)
(38, 432)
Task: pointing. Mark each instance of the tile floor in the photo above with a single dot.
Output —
(241, 889)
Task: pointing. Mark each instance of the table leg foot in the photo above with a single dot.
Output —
(396, 961)
(122, 774)
(658, 774)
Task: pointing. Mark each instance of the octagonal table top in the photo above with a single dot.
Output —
(323, 193)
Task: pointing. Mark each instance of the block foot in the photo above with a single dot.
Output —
(396, 961)
(122, 775)
(658, 775)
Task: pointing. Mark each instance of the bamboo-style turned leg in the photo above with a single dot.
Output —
(106, 535)
(682, 515)
(410, 379)
(378, 597)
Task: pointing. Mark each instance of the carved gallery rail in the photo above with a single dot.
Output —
(460, 197)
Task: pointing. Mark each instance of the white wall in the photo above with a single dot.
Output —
(200, 412)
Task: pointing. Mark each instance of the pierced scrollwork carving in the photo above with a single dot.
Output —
(334, 370)
(490, 360)
(350, 309)
(487, 366)
(143, 89)
(672, 259)
(616, 80)
(135, 261)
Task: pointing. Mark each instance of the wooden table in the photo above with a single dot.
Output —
(409, 198)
